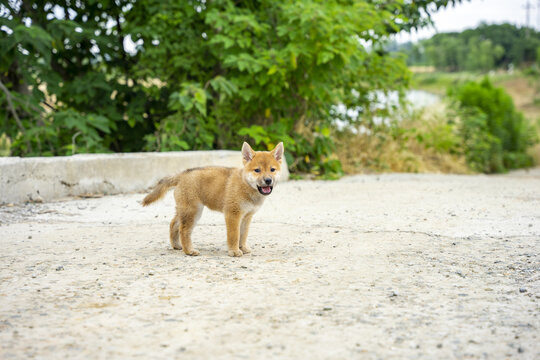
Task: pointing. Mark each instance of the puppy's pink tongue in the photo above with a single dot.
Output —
(266, 189)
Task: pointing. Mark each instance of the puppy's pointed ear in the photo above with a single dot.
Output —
(247, 153)
(278, 151)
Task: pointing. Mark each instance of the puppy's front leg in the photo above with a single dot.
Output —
(232, 219)
(244, 228)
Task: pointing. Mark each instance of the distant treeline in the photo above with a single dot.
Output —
(485, 48)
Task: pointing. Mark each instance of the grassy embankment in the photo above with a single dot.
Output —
(525, 90)
(423, 141)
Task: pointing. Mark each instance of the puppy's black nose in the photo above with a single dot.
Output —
(268, 181)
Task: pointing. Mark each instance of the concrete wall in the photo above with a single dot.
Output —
(45, 179)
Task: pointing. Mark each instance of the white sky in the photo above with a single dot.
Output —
(470, 14)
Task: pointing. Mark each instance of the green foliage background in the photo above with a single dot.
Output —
(494, 134)
(205, 74)
(483, 48)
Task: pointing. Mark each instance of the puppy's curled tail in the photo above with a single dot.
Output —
(160, 189)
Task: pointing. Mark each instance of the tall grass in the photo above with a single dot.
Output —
(476, 129)
(414, 141)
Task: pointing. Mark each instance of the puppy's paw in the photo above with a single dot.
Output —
(192, 252)
(245, 249)
(236, 253)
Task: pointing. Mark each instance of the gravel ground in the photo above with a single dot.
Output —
(375, 267)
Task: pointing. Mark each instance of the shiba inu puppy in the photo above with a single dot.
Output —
(237, 193)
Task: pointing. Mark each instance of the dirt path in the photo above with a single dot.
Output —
(392, 266)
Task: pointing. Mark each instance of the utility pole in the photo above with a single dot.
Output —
(538, 15)
(528, 7)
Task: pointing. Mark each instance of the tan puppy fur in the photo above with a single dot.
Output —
(237, 193)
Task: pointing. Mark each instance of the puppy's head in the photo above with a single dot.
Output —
(262, 168)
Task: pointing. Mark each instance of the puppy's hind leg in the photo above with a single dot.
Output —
(188, 218)
(174, 232)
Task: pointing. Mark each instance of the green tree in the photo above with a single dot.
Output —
(481, 49)
(64, 70)
(203, 73)
(482, 55)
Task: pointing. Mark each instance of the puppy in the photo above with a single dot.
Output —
(237, 193)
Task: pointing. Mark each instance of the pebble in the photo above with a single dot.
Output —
(36, 198)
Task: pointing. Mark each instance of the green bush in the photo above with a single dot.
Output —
(439, 136)
(201, 73)
(495, 136)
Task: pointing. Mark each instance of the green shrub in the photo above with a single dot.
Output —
(64, 132)
(439, 135)
(495, 136)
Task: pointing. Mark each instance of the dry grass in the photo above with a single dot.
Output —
(383, 151)
(535, 153)
(526, 95)
(367, 154)
(422, 69)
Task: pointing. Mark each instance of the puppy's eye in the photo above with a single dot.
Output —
(257, 170)
(272, 169)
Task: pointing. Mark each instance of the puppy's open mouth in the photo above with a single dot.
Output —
(265, 190)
